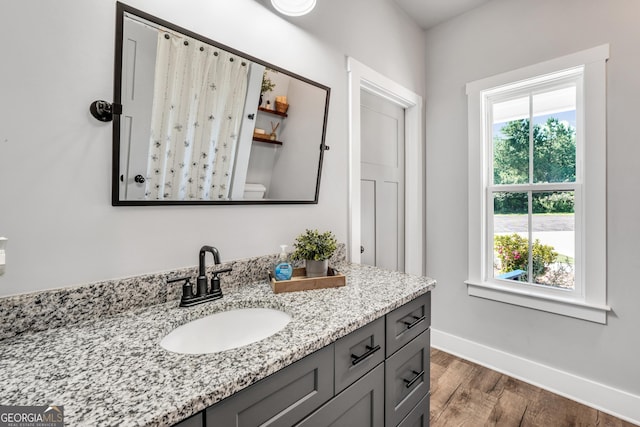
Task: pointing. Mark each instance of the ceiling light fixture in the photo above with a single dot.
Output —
(294, 7)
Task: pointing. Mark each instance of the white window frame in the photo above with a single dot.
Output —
(571, 77)
(588, 300)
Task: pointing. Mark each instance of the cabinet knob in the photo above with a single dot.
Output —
(139, 179)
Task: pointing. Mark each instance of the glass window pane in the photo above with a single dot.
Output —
(553, 231)
(510, 135)
(554, 136)
(510, 236)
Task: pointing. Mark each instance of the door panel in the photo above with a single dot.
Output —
(368, 222)
(382, 182)
(387, 214)
(380, 126)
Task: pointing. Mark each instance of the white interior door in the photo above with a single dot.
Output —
(382, 182)
(361, 78)
(137, 101)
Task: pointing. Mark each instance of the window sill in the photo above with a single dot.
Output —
(577, 309)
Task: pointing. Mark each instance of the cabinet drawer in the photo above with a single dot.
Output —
(419, 416)
(407, 322)
(361, 404)
(406, 379)
(358, 353)
(281, 399)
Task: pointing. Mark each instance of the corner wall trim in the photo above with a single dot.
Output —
(602, 397)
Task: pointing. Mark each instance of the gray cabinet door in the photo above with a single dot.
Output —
(359, 405)
(406, 379)
(281, 399)
(419, 416)
(193, 421)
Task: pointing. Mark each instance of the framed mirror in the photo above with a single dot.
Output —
(203, 123)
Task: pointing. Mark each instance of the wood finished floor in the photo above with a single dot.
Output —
(466, 394)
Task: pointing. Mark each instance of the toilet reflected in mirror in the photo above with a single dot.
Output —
(254, 191)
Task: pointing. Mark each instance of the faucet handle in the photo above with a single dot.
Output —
(215, 282)
(187, 288)
(224, 270)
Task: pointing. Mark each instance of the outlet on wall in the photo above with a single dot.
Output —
(3, 245)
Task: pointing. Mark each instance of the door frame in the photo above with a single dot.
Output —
(362, 77)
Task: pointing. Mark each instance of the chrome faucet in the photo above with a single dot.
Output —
(202, 292)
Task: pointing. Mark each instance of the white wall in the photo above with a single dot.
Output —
(55, 159)
(301, 136)
(288, 171)
(501, 36)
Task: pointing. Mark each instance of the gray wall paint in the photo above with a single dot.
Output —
(501, 36)
(299, 152)
(55, 159)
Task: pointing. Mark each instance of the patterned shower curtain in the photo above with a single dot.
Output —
(199, 95)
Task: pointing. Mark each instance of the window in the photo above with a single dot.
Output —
(537, 188)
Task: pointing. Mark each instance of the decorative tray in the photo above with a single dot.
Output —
(300, 282)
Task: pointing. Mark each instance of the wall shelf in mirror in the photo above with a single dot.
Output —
(266, 139)
(203, 153)
(274, 112)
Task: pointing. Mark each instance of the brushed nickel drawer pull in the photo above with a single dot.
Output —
(415, 322)
(358, 359)
(412, 381)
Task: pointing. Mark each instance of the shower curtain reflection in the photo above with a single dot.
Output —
(198, 101)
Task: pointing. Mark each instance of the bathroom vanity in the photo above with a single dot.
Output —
(357, 355)
(377, 375)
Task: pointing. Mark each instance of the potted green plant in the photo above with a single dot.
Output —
(267, 86)
(315, 249)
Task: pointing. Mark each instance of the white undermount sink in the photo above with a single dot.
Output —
(225, 330)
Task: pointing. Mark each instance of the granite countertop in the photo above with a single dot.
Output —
(113, 370)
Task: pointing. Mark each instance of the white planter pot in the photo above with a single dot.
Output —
(316, 268)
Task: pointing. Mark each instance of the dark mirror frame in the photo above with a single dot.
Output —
(121, 9)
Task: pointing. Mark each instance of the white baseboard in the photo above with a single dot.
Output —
(604, 398)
